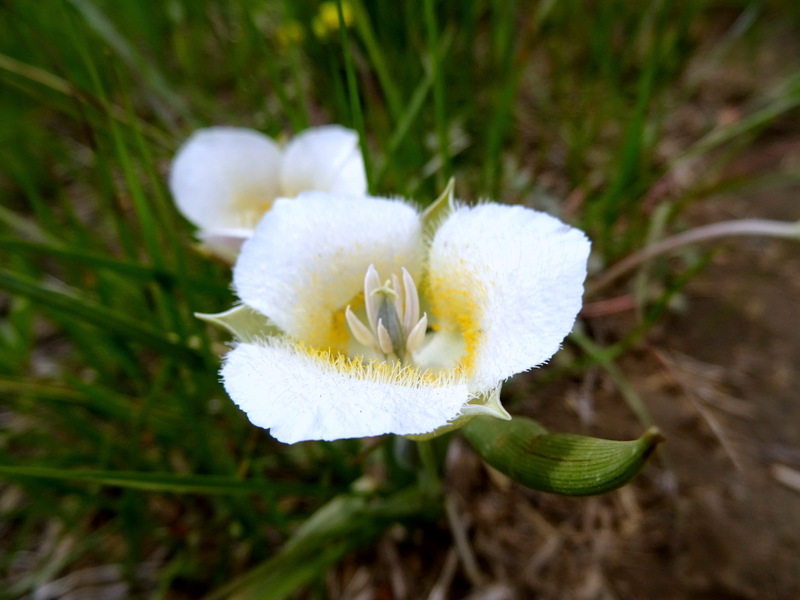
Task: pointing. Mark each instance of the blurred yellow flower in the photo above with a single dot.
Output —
(289, 34)
(327, 19)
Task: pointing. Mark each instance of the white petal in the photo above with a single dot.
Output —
(304, 395)
(511, 279)
(225, 177)
(224, 243)
(327, 159)
(308, 257)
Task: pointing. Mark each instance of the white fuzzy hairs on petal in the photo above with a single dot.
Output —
(308, 256)
(301, 395)
(523, 272)
(225, 177)
(325, 159)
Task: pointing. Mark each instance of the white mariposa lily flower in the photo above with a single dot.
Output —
(383, 320)
(224, 179)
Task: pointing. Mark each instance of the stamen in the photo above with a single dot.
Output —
(360, 331)
(417, 335)
(385, 340)
(411, 314)
(393, 326)
(371, 283)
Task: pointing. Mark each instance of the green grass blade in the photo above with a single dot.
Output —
(341, 526)
(167, 278)
(68, 88)
(165, 482)
(605, 359)
(439, 106)
(377, 59)
(166, 102)
(403, 126)
(75, 306)
(352, 91)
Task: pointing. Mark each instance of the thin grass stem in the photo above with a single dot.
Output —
(738, 227)
(352, 89)
(440, 113)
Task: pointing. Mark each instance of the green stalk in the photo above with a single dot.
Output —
(439, 110)
(429, 479)
(352, 88)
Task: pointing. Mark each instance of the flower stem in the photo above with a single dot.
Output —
(429, 480)
(761, 227)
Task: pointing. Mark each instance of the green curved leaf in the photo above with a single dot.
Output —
(562, 463)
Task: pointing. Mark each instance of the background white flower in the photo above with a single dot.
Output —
(500, 287)
(223, 179)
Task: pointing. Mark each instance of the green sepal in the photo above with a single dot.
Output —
(485, 405)
(245, 323)
(561, 463)
(433, 216)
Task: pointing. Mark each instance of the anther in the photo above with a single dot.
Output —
(360, 331)
(385, 340)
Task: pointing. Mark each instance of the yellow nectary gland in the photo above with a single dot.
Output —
(394, 326)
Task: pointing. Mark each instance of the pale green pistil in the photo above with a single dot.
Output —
(390, 331)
